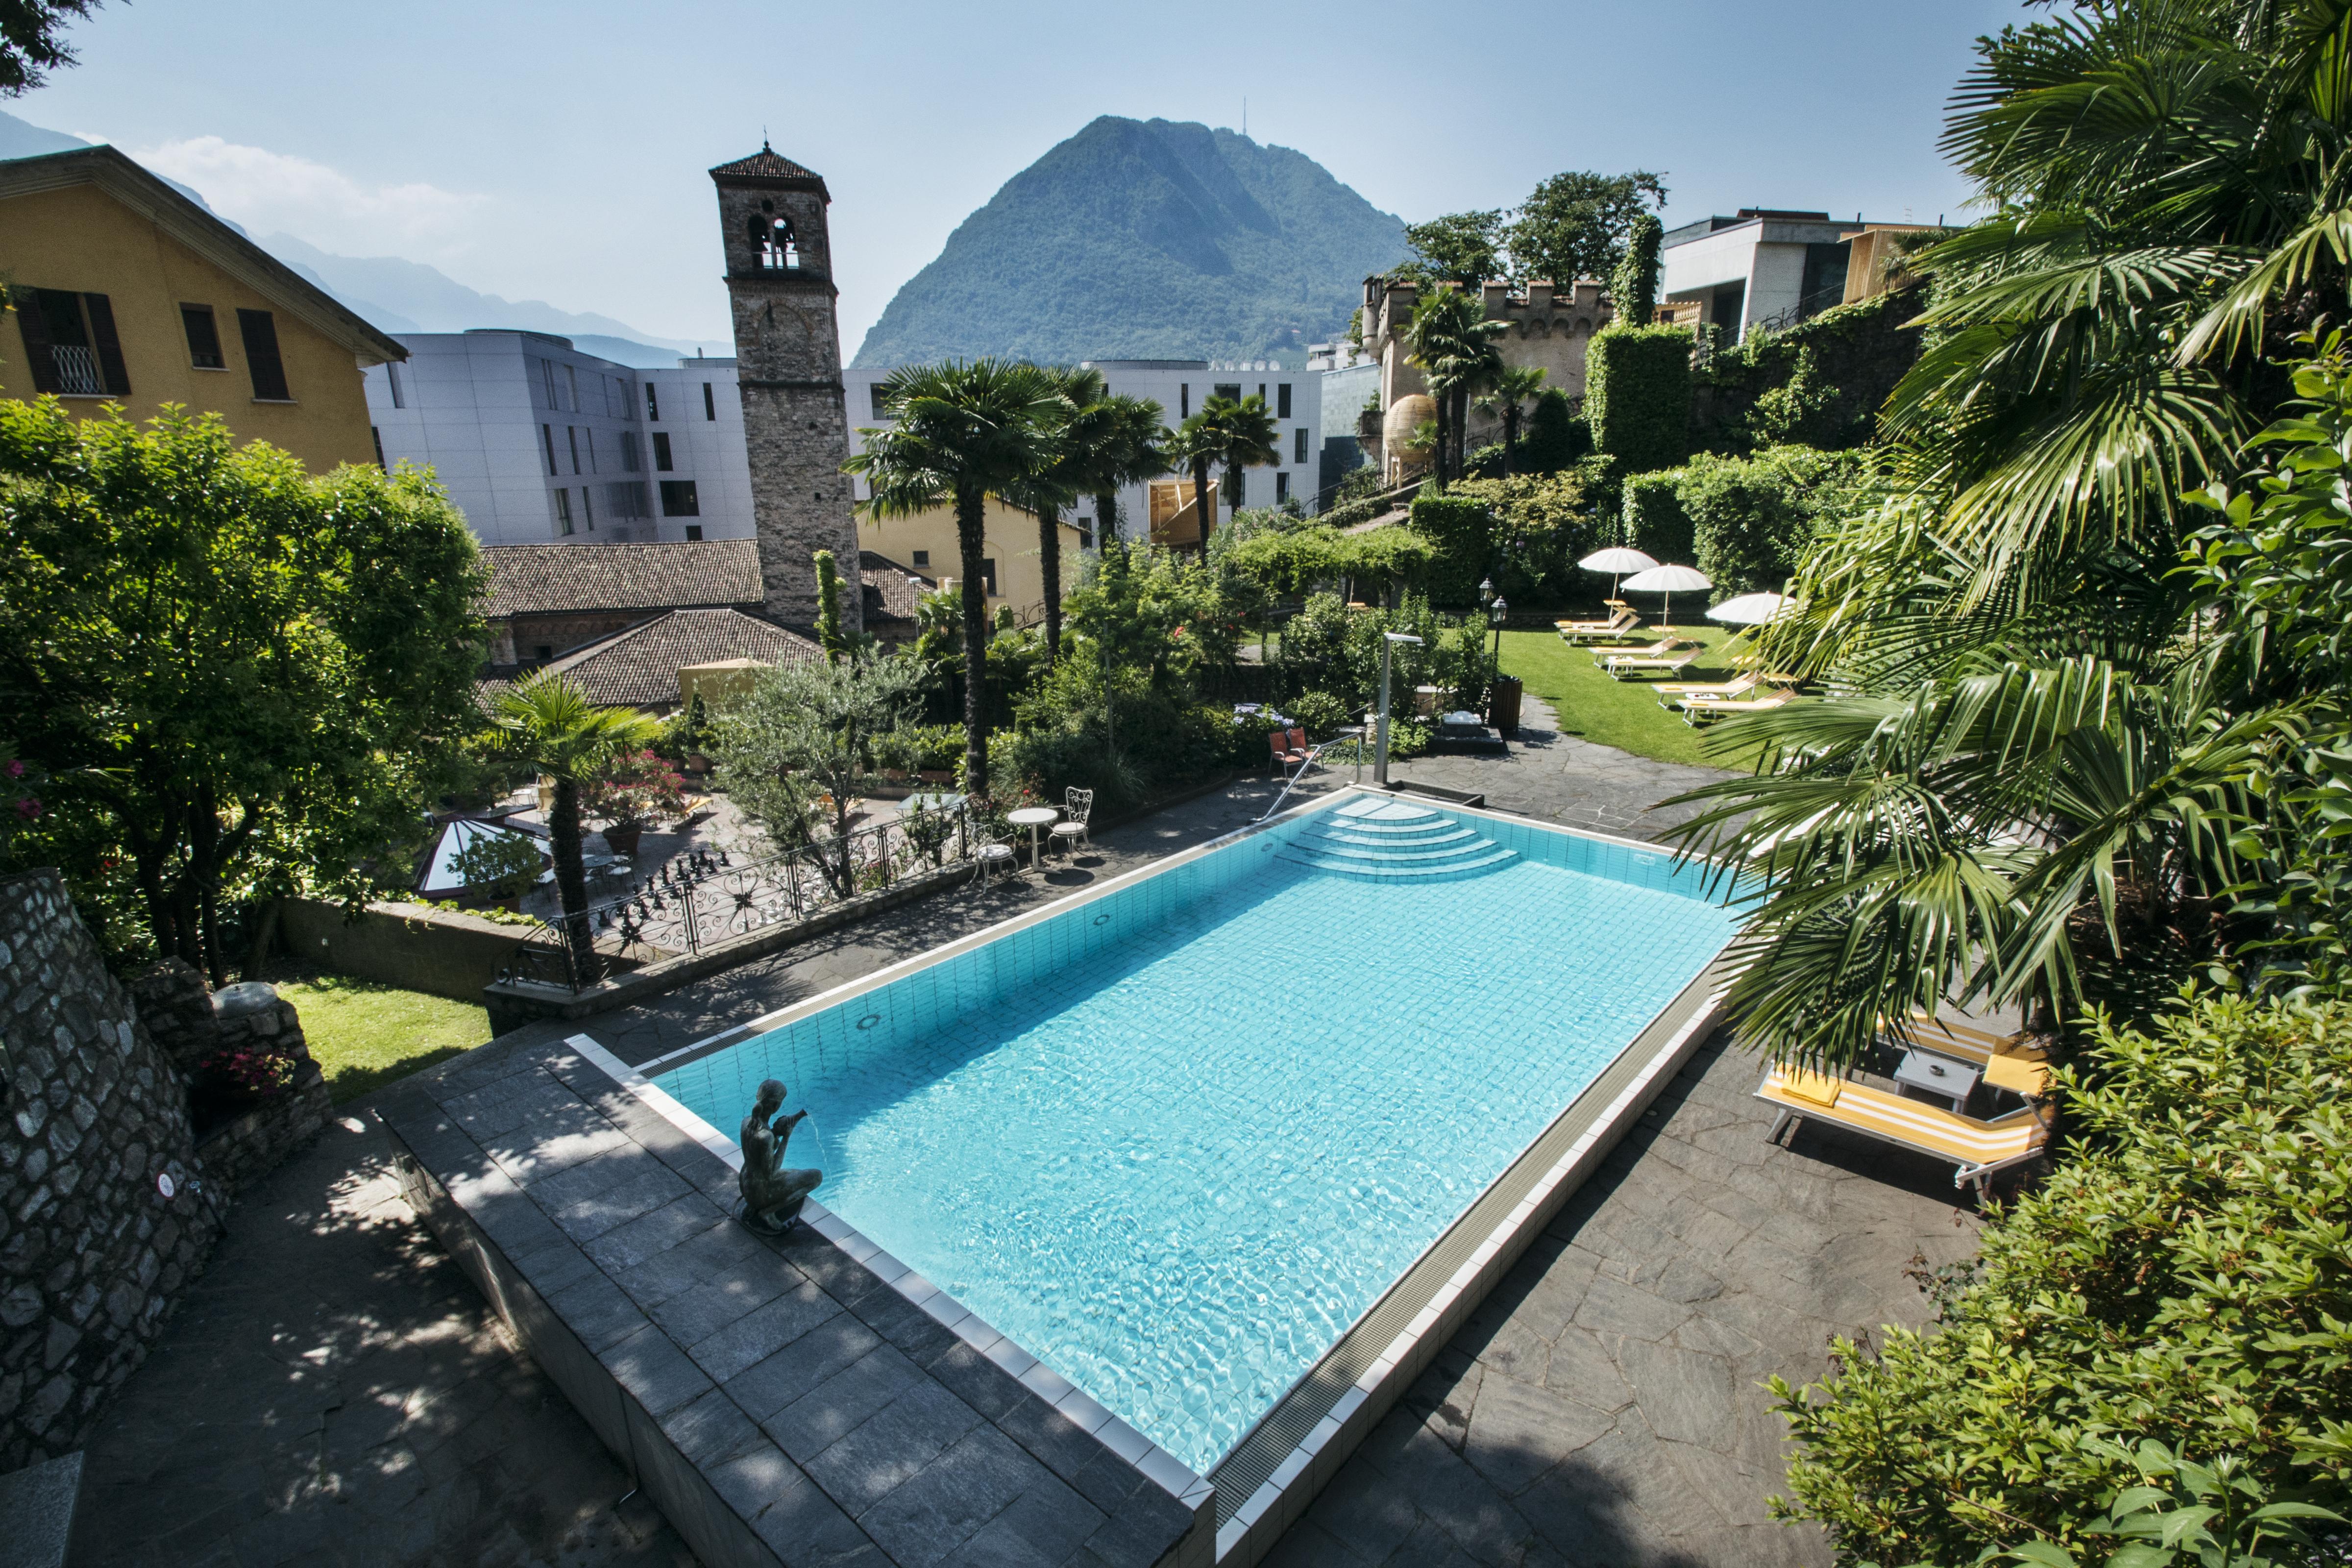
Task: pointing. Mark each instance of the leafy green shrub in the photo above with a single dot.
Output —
(1543, 524)
(2185, 1277)
(1751, 518)
(1655, 522)
(1329, 647)
(1318, 712)
(1462, 533)
(1638, 394)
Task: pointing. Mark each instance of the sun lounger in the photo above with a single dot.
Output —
(1699, 710)
(1673, 691)
(1617, 625)
(1977, 1149)
(1619, 666)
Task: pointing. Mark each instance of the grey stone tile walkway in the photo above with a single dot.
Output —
(335, 1391)
(1562, 779)
(1604, 1406)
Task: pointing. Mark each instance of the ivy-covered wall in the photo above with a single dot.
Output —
(1637, 396)
(1821, 383)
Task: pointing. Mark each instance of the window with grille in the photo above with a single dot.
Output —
(1298, 445)
(259, 331)
(69, 343)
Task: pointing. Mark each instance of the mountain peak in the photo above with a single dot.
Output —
(1162, 239)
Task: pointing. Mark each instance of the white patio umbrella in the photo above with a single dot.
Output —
(1669, 581)
(1748, 610)
(1616, 561)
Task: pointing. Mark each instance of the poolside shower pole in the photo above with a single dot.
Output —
(1380, 756)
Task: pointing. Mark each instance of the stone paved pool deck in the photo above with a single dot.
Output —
(333, 1370)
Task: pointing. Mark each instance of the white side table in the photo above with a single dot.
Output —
(1036, 818)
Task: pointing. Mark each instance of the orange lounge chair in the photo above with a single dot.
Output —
(1976, 1149)
(1289, 749)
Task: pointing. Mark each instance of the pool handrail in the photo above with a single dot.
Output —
(1300, 772)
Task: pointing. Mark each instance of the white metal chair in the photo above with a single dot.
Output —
(995, 858)
(1071, 831)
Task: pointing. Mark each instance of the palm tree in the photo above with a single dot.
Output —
(964, 429)
(2034, 741)
(1196, 444)
(1251, 440)
(1452, 343)
(1121, 436)
(1512, 388)
(547, 723)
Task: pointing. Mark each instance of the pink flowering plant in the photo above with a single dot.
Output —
(636, 790)
(259, 1072)
(20, 802)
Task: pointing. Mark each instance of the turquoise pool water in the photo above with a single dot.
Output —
(1175, 1141)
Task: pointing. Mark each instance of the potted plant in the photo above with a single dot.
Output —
(636, 791)
(689, 735)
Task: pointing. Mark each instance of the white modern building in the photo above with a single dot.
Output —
(535, 441)
(1761, 265)
(1179, 387)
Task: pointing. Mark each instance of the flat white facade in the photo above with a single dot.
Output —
(1760, 266)
(1295, 397)
(535, 441)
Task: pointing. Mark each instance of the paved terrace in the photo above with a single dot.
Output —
(335, 1391)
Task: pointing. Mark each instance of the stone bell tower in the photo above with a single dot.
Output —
(788, 362)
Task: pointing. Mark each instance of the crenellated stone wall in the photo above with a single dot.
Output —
(93, 1249)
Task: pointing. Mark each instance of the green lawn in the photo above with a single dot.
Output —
(363, 1034)
(1620, 714)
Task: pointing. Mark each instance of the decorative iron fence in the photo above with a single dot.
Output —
(709, 897)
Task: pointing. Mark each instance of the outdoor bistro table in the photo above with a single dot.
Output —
(1936, 1075)
(1033, 818)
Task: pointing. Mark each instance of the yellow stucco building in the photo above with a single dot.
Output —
(926, 543)
(121, 290)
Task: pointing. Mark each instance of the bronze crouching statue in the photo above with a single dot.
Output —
(772, 1196)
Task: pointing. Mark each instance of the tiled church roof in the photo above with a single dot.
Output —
(767, 164)
(558, 579)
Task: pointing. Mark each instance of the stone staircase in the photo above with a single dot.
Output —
(1389, 839)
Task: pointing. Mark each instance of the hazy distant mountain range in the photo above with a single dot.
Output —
(399, 296)
(1146, 239)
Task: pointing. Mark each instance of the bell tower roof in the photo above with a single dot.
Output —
(768, 168)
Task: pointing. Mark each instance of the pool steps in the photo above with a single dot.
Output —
(1388, 840)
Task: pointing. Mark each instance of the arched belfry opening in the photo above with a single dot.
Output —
(773, 239)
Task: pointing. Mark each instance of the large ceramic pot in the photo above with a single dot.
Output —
(621, 837)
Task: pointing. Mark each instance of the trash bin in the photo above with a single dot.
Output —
(1503, 705)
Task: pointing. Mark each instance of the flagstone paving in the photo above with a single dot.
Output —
(334, 1391)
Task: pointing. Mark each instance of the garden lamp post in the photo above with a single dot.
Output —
(1495, 615)
(1381, 757)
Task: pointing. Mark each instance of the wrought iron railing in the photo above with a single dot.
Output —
(709, 896)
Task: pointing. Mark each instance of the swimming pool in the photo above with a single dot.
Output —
(1175, 1139)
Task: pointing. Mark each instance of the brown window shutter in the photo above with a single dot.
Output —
(259, 331)
(108, 346)
(35, 330)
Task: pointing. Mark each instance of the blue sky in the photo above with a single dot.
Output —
(555, 151)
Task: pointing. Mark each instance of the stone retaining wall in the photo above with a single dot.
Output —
(93, 1251)
(438, 952)
(188, 1021)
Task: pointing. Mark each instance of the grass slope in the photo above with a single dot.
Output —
(1620, 714)
(363, 1034)
(1146, 239)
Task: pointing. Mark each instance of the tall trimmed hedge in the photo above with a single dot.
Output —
(1637, 395)
(1462, 534)
(1555, 438)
